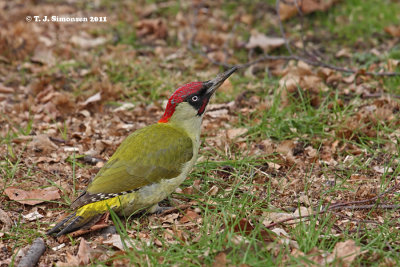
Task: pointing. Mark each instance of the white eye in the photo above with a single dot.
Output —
(195, 98)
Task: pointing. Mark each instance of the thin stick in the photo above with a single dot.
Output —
(282, 29)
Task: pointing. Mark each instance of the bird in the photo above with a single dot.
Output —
(149, 164)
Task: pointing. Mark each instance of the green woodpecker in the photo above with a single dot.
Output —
(150, 163)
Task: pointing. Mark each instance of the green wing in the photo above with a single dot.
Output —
(148, 155)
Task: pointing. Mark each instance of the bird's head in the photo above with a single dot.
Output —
(190, 100)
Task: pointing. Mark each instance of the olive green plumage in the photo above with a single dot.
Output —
(146, 156)
(150, 163)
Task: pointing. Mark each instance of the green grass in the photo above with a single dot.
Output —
(356, 19)
(241, 198)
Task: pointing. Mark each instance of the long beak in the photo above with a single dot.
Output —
(219, 80)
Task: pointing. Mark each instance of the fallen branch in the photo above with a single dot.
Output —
(378, 197)
(34, 253)
(367, 207)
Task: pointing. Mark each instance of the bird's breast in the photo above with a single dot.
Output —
(153, 193)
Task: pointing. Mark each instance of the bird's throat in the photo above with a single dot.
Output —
(185, 117)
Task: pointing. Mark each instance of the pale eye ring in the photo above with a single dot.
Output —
(195, 98)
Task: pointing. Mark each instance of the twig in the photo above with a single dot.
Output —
(377, 95)
(354, 219)
(57, 140)
(282, 29)
(344, 204)
(303, 41)
(367, 207)
(174, 209)
(34, 253)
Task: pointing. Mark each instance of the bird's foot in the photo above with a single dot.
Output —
(158, 210)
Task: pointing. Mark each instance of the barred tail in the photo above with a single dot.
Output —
(85, 216)
(73, 223)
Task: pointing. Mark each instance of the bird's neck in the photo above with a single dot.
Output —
(191, 126)
(186, 118)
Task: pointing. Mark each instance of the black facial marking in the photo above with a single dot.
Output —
(199, 100)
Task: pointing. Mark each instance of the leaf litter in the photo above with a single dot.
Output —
(70, 113)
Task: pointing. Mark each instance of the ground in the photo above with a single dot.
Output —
(299, 161)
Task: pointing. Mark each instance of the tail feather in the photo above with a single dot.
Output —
(85, 216)
(73, 223)
(59, 225)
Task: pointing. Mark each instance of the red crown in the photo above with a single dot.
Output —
(180, 94)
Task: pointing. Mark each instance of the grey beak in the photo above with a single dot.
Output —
(219, 80)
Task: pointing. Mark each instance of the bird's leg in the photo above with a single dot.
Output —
(157, 209)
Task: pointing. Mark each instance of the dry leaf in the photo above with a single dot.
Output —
(115, 240)
(344, 52)
(264, 42)
(5, 219)
(152, 29)
(33, 216)
(124, 106)
(6, 90)
(289, 10)
(84, 252)
(190, 216)
(84, 42)
(346, 251)
(213, 191)
(234, 133)
(32, 197)
(58, 247)
(393, 30)
(94, 98)
(43, 55)
(42, 143)
(285, 147)
(382, 169)
(220, 260)
(71, 261)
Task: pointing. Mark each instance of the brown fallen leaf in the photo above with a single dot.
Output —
(245, 228)
(84, 252)
(5, 89)
(43, 55)
(190, 216)
(289, 8)
(220, 260)
(82, 258)
(346, 252)
(71, 261)
(234, 133)
(264, 42)
(393, 30)
(5, 219)
(42, 143)
(152, 29)
(32, 197)
(94, 98)
(87, 42)
(115, 240)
